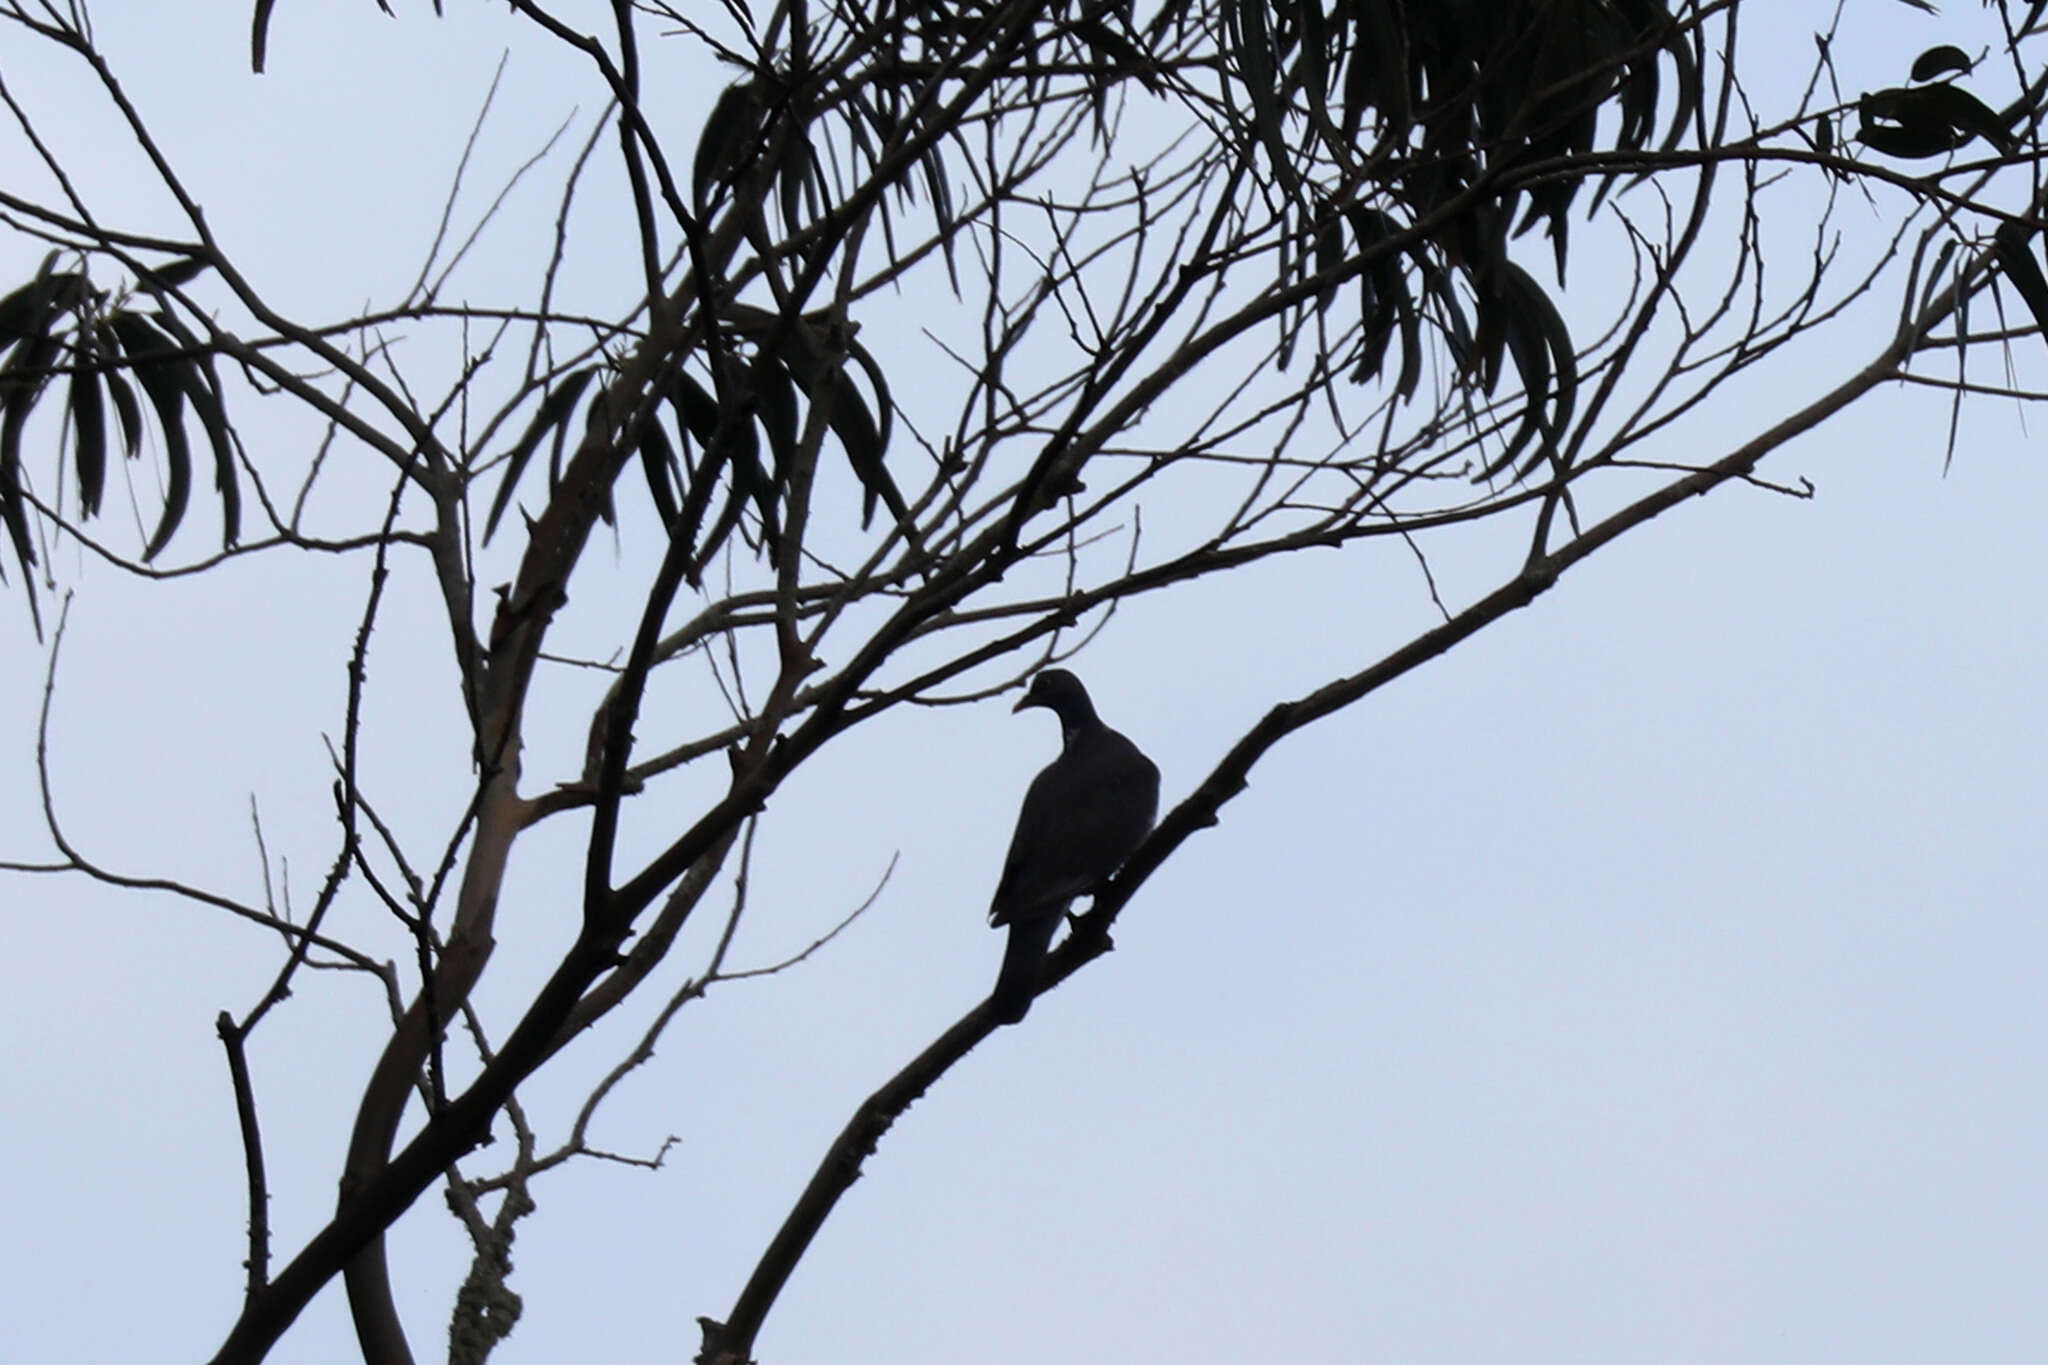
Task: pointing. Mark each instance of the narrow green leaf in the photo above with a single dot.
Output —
(1940, 61)
(197, 377)
(174, 273)
(1548, 362)
(26, 311)
(1921, 136)
(658, 462)
(849, 417)
(750, 480)
(1119, 52)
(20, 384)
(1925, 120)
(89, 428)
(259, 35)
(1329, 258)
(2015, 252)
(146, 349)
(1965, 113)
(697, 411)
(553, 411)
(728, 133)
(777, 411)
(127, 410)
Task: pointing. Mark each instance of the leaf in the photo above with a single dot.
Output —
(1254, 52)
(1935, 273)
(1910, 142)
(147, 349)
(174, 273)
(2015, 254)
(127, 410)
(1120, 52)
(658, 462)
(201, 384)
(1537, 326)
(934, 168)
(259, 35)
(722, 146)
(1383, 298)
(20, 383)
(776, 409)
(793, 177)
(89, 425)
(749, 479)
(1966, 113)
(1329, 258)
(1939, 61)
(1927, 120)
(554, 410)
(29, 310)
(849, 417)
(697, 416)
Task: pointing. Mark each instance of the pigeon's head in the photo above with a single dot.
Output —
(1059, 691)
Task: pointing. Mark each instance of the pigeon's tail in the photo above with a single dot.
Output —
(1017, 982)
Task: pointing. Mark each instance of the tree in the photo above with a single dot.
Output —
(1269, 274)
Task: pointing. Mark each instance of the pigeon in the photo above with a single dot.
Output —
(1082, 816)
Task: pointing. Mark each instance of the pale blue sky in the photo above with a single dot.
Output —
(1655, 978)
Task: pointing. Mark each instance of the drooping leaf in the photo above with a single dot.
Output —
(20, 382)
(1967, 114)
(1940, 61)
(197, 377)
(154, 359)
(554, 410)
(127, 410)
(803, 355)
(174, 273)
(1329, 258)
(729, 130)
(1253, 44)
(1936, 272)
(1910, 134)
(259, 35)
(776, 409)
(1119, 52)
(30, 310)
(658, 463)
(751, 481)
(1547, 360)
(697, 413)
(1927, 120)
(1383, 298)
(2014, 249)
(89, 433)
(792, 179)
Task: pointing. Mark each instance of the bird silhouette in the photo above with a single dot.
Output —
(1082, 816)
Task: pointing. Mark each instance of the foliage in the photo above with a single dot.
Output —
(1280, 249)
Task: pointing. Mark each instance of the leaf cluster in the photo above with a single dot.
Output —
(771, 381)
(1413, 143)
(58, 330)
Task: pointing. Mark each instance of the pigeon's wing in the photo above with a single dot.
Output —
(1126, 801)
(1081, 818)
(1031, 873)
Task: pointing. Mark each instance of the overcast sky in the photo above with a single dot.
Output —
(1656, 977)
